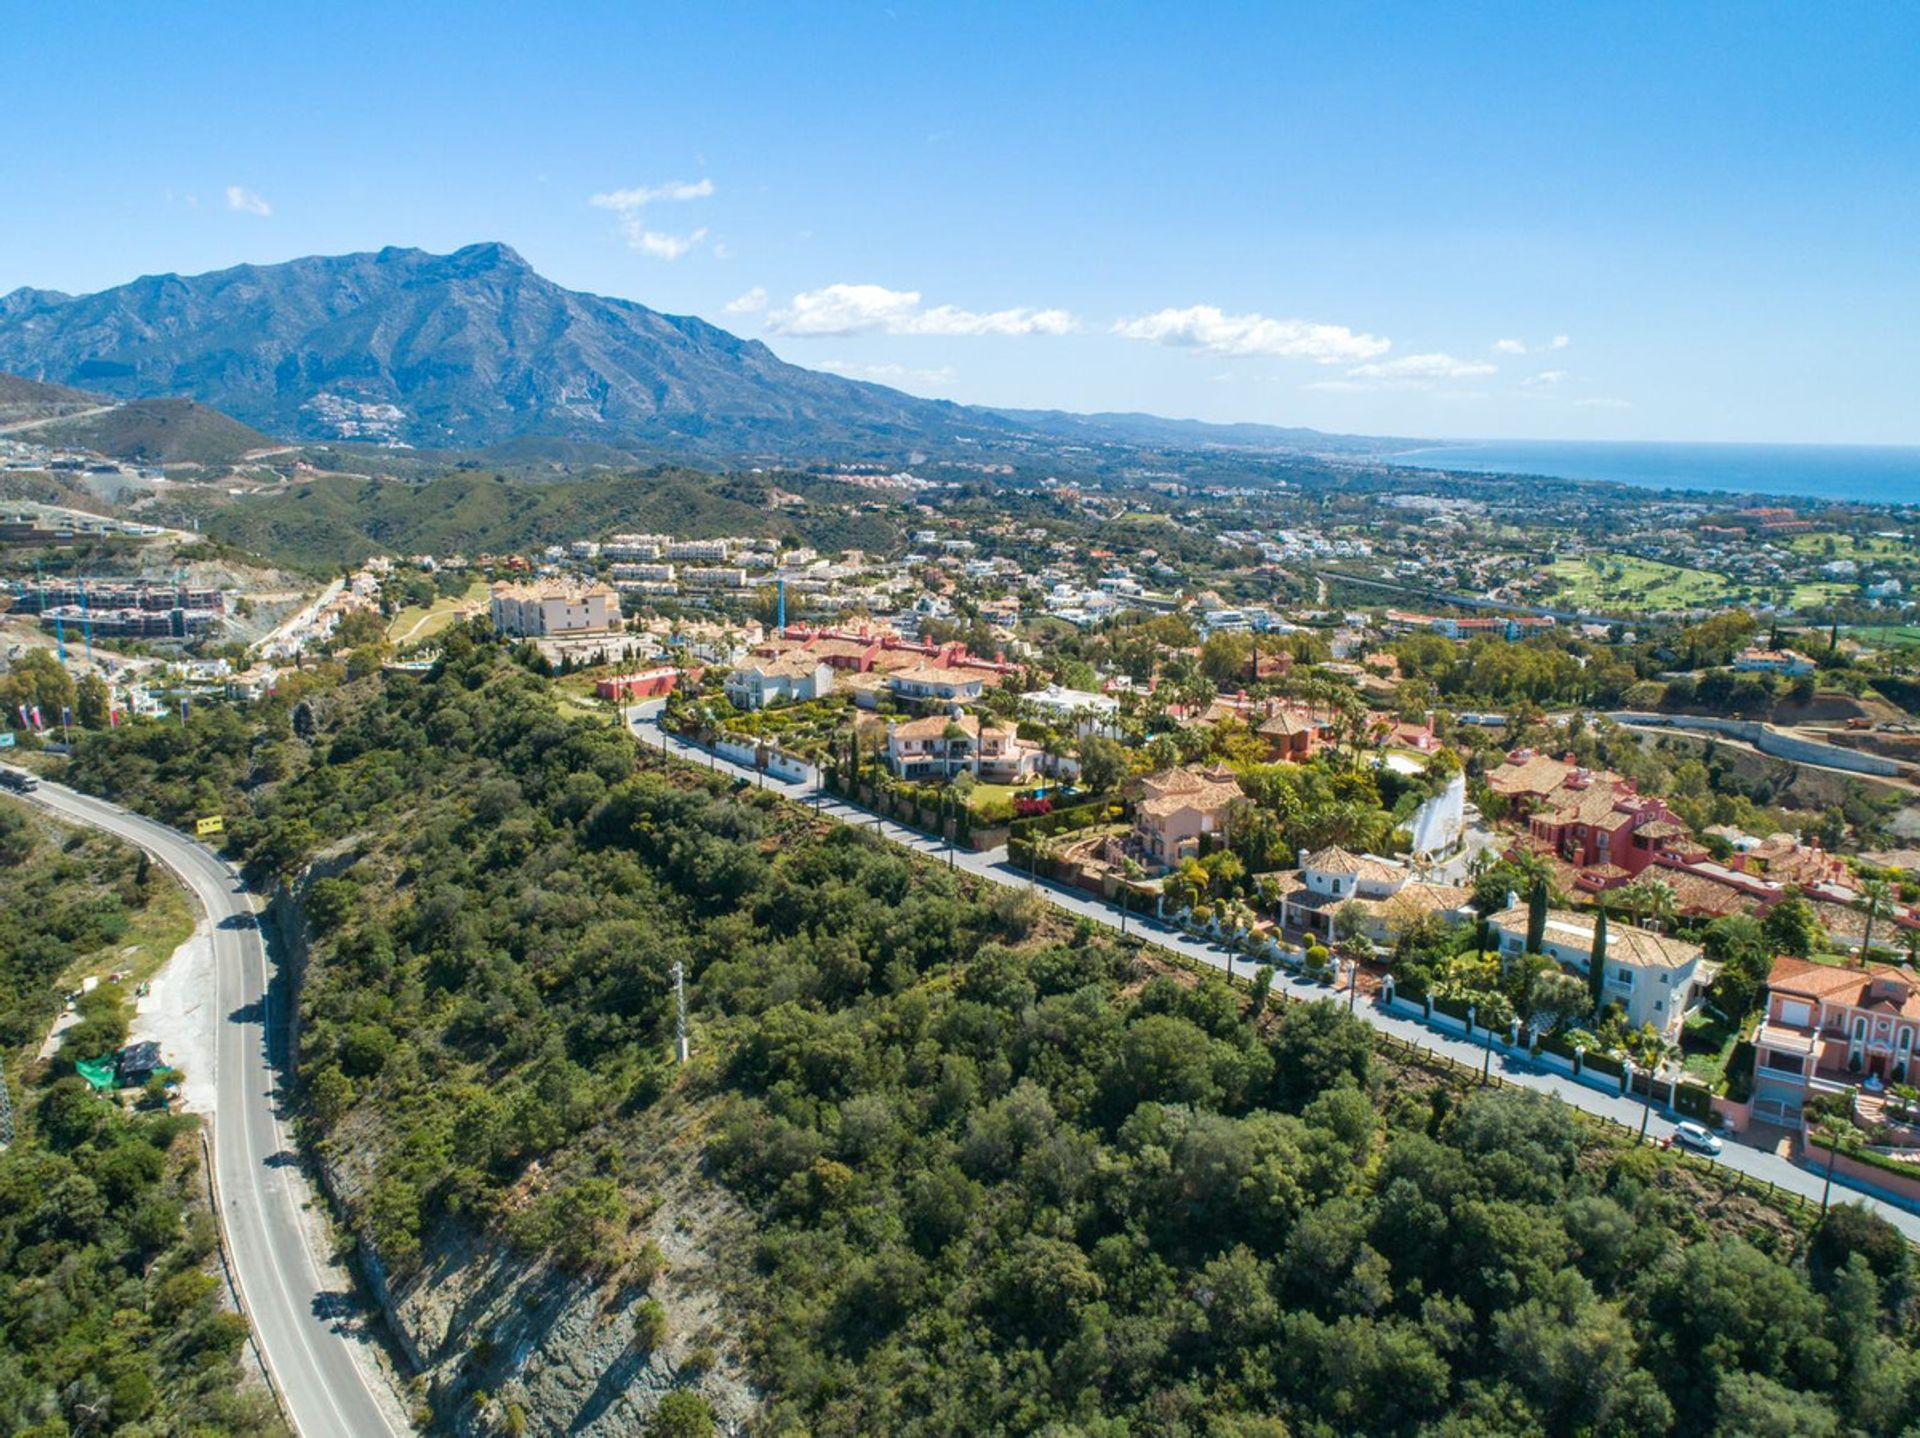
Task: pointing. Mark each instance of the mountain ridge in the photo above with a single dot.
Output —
(476, 348)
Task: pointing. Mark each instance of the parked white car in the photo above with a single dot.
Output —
(1697, 1136)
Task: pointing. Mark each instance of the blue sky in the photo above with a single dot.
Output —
(1658, 221)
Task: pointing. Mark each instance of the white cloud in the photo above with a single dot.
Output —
(1510, 347)
(1424, 367)
(627, 202)
(240, 198)
(751, 303)
(1544, 380)
(1559, 342)
(1421, 372)
(891, 373)
(1206, 328)
(658, 244)
(630, 205)
(875, 309)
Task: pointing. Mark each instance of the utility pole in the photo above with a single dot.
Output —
(680, 1046)
(1833, 1152)
(6, 1109)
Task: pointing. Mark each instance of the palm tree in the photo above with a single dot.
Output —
(1876, 892)
(1650, 900)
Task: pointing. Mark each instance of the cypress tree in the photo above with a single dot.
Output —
(1597, 964)
(1537, 916)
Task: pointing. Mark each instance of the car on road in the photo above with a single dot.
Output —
(1698, 1137)
(19, 780)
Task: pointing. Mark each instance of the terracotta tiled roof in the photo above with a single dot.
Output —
(1284, 725)
(1626, 943)
(935, 726)
(1334, 860)
(1538, 775)
(1874, 987)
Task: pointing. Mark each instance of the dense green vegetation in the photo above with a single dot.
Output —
(109, 1315)
(1007, 1177)
(337, 520)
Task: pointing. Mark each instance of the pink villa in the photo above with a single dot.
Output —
(1176, 808)
(1829, 1028)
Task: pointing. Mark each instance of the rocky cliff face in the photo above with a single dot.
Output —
(499, 1341)
(504, 1343)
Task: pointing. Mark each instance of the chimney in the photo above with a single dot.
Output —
(1303, 858)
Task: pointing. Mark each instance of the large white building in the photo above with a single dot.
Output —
(1085, 711)
(787, 679)
(545, 610)
(1652, 976)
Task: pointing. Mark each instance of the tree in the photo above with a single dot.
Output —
(1556, 1000)
(1350, 922)
(1792, 926)
(92, 701)
(1103, 763)
(681, 1413)
(1537, 916)
(1649, 900)
(1223, 658)
(1738, 944)
(1877, 894)
(1315, 1047)
(1597, 962)
(37, 680)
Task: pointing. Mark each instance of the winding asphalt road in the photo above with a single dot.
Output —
(326, 1379)
(1758, 1164)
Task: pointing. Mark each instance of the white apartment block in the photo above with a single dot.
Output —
(713, 577)
(535, 610)
(703, 551)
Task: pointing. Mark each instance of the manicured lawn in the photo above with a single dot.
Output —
(1849, 546)
(414, 623)
(1625, 581)
(1815, 594)
(1886, 633)
(985, 793)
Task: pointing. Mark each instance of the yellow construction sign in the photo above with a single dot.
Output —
(212, 824)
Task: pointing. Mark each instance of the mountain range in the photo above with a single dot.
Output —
(474, 349)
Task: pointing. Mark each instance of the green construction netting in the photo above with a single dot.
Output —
(98, 1072)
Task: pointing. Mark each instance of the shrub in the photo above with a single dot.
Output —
(649, 1325)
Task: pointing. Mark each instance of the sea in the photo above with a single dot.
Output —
(1861, 474)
